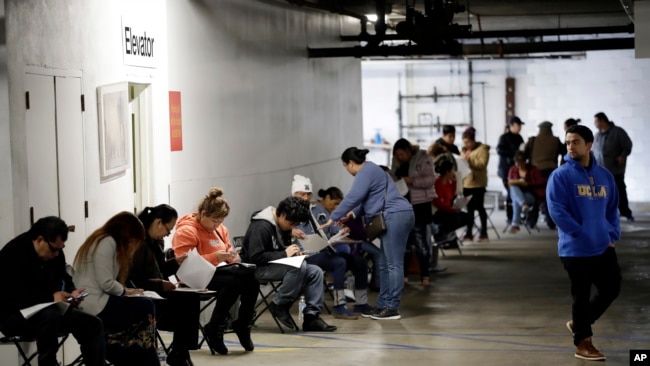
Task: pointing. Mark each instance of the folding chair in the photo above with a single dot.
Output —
(451, 241)
(27, 359)
(264, 301)
(524, 218)
(493, 198)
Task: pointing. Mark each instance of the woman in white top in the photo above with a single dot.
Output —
(102, 268)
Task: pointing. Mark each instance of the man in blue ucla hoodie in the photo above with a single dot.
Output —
(583, 201)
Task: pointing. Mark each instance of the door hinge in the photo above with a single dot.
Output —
(83, 103)
(86, 209)
(26, 100)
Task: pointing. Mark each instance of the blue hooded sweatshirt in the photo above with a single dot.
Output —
(583, 202)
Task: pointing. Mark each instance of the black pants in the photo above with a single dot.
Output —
(623, 204)
(49, 323)
(229, 287)
(451, 221)
(179, 313)
(476, 204)
(604, 273)
(543, 207)
(419, 239)
(508, 200)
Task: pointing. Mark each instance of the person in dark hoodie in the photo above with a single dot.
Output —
(509, 143)
(583, 201)
(269, 238)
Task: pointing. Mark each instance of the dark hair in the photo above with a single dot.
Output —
(470, 133)
(402, 144)
(443, 166)
(128, 233)
(384, 168)
(602, 116)
(295, 210)
(164, 212)
(448, 129)
(354, 154)
(583, 131)
(50, 228)
(571, 122)
(333, 192)
(437, 149)
(519, 155)
(215, 205)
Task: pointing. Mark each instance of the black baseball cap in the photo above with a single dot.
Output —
(515, 119)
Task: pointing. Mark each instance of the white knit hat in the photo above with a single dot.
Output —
(300, 184)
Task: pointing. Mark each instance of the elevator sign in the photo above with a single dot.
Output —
(139, 46)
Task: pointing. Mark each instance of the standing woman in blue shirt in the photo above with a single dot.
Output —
(372, 192)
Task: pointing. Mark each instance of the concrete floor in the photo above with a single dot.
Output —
(501, 303)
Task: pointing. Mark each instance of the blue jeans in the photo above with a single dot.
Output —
(391, 262)
(307, 279)
(519, 198)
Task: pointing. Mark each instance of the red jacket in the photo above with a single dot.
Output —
(446, 192)
(534, 180)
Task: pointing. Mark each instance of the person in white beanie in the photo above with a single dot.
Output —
(301, 188)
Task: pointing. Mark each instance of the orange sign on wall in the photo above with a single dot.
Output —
(175, 121)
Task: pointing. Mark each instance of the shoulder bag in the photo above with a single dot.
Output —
(377, 225)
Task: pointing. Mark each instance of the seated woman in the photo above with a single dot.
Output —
(180, 311)
(336, 264)
(102, 268)
(447, 217)
(204, 231)
(526, 186)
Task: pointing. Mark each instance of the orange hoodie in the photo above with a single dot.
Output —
(190, 234)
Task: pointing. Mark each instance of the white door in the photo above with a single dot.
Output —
(55, 153)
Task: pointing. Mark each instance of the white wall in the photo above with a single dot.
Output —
(6, 193)
(84, 35)
(255, 109)
(554, 90)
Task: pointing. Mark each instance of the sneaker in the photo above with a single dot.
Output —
(281, 313)
(386, 314)
(587, 351)
(630, 218)
(569, 326)
(178, 357)
(342, 312)
(467, 238)
(314, 323)
(361, 309)
(483, 239)
(525, 208)
(369, 311)
(514, 229)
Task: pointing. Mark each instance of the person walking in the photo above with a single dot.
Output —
(583, 201)
(612, 146)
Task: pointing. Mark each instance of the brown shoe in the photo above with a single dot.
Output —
(587, 351)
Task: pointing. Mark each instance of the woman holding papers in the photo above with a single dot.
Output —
(102, 268)
(374, 193)
(179, 312)
(203, 230)
(414, 167)
(477, 155)
(448, 217)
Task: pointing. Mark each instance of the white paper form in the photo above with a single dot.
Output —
(30, 311)
(295, 261)
(195, 271)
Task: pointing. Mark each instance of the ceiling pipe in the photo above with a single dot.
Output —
(497, 49)
(331, 9)
(520, 33)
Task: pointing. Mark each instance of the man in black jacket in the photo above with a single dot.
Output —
(268, 238)
(34, 269)
(509, 143)
(448, 138)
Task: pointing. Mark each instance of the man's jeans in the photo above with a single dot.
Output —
(391, 262)
(519, 198)
(307, 279)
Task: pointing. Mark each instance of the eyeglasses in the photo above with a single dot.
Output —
(169, 230)
(54, 249)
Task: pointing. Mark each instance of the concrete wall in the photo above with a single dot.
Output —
(255, 109)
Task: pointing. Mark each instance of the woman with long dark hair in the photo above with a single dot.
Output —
(102, 268)
(373, 192)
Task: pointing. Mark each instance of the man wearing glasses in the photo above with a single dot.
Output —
(34, 269)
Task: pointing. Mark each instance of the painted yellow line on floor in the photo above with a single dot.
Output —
(276, 350)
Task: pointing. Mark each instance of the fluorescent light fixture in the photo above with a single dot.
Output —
(371, 17)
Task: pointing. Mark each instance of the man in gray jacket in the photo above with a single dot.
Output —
(611, 148)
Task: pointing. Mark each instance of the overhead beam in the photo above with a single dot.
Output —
(494, 49)
(515, 33)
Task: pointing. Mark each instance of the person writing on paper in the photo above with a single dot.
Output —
(447, 217)
(204, 231)
(526, 189)
(337, 262)
(34, 266)
(268, 238)
(372, 193)
(415, 167)
(102, 266)
(179, 312)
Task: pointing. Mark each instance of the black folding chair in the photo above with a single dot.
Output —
(28, 358)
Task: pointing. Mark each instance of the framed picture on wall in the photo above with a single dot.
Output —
(114, 130)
